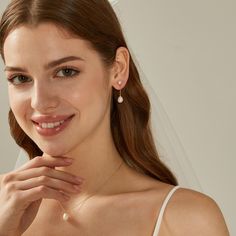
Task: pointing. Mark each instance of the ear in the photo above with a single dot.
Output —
(120, 71)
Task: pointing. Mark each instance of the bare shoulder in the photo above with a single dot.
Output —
(193, 213)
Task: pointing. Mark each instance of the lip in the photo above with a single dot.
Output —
(50, 119)
(38, 120)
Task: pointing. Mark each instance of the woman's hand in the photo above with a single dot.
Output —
(22, 190)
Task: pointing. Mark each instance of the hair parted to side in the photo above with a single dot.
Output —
(96, 22)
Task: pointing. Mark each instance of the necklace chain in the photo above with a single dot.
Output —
(66, 216)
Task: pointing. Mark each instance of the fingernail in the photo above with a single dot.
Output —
(66, 197)
(79, 180)
(77, 188)
(68, 160)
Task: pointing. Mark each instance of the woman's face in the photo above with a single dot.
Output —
(59, 89)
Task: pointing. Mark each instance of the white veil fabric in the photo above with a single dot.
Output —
(170, 149)
(169, 146)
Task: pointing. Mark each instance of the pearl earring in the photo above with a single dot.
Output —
(120, 98)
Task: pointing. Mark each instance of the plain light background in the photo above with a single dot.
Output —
(187, 50)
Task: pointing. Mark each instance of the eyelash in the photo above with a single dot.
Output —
(13, 77)
(74, 71)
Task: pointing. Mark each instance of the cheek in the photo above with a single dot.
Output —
(87, 95)
(18, 103)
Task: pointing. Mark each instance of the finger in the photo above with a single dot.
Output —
(51, 162)
(40, 192)
(46, 171)
(47, 182)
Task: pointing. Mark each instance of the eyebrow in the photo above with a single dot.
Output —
(62, 60)
(48, 65)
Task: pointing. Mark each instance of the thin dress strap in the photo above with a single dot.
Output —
(163, 207)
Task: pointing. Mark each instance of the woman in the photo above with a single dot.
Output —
(79, 110)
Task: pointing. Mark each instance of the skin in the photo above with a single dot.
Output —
(130, 201)
(86, 96)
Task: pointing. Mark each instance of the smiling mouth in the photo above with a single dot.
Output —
(57, 125)
(51, 125)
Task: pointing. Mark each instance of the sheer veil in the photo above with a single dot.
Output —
(170, 149)
(169, 146)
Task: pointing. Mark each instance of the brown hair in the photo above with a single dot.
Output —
(96, 22)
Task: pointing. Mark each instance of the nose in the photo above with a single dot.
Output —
(44, 97)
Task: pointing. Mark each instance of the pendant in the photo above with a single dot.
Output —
(65, 216)
(120, 99)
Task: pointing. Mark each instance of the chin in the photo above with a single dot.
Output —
(54, 151)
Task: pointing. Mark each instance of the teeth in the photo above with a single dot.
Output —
(51, 125)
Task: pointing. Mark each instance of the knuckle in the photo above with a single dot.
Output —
(43, 179)
(45, 169)
(8, 178)
(10, 187)
(38, 160)
(42, 189)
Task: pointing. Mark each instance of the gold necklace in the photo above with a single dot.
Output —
(66, 214)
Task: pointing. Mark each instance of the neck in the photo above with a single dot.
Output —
(94, 163)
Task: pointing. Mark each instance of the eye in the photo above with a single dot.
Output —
(19, 79)
(67, 72)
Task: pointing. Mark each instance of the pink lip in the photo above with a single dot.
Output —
(37, 120)
(50, 119)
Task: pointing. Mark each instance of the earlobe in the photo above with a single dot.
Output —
(121, 68)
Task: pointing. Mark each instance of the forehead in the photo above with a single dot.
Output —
(47, 40)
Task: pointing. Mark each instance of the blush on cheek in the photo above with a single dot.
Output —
(21, 113)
